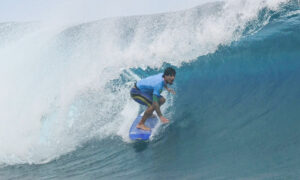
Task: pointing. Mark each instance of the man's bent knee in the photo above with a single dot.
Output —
(150, 109)
(162, 100)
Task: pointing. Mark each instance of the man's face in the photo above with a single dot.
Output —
(169, 79)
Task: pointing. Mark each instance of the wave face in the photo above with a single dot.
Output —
(66, 111)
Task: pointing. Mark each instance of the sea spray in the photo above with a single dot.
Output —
(58, 89)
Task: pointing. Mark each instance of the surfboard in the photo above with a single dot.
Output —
(139, 134)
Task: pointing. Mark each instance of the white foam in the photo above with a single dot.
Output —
(56, 81)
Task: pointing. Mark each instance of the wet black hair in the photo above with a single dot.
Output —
(169, 72)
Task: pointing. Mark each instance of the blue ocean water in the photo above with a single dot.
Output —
(234, 116)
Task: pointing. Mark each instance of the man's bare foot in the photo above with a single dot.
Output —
(143, 127)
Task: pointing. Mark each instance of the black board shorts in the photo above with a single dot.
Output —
(141, 97)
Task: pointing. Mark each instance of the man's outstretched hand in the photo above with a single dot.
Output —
(171, 91)
(164, 120)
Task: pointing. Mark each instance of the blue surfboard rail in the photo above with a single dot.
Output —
(139, 134)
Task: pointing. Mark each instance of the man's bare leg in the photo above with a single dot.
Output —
(147, 114)
(162, 100)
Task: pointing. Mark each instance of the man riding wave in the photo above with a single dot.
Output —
(147, 92)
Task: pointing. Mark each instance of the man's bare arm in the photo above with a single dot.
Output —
(156, 105)
(157, 108)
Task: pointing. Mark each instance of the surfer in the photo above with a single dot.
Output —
(147, 92)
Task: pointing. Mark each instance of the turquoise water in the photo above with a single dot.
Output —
(235, 114)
